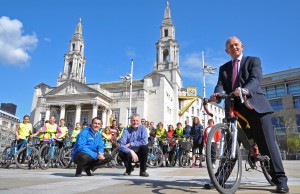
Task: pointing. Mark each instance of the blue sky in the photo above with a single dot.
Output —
(35, 35)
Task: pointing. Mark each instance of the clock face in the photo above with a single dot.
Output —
(192, 92)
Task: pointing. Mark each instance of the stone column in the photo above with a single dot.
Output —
(62, 111)
(104, 117)
(47, 116)
(78, 112)
(95, 109)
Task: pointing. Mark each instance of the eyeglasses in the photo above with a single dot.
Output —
(97, 123)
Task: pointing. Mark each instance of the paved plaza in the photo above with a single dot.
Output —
(111, 180)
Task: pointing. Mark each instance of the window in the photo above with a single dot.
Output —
(276, 104)
(293, 88)
(278, 124)
(84, 117)
(198, 112)
(70, 120)
(298, 122)
(296, 102)
(116, 114)
(166, 32)
(73, 47)
(133, 110)
(42, 118)
(193, 110)
(275, 91)
(99, 114)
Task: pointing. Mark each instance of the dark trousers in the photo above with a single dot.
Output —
(213, 152)
(142, 154)
(264, 136)
(85, 161)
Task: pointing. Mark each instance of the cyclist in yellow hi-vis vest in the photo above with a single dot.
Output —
(50, 130)
(24, 130)
(64, 133)
(75, 132)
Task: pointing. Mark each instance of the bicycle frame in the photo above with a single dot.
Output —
(16, 145)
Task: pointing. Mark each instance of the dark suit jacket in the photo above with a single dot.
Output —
(250, 75)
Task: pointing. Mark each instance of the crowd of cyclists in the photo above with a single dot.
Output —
(172, 141)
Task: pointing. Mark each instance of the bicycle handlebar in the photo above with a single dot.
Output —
(243, 98)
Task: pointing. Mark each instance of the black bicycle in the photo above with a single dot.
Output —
(224, 158)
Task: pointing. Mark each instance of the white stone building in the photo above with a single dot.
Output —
(159, 96)
(8, 125)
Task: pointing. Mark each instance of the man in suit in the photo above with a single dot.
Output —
(246, 72)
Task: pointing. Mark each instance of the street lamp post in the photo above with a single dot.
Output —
(205, 69)
(130, 91)
(126, 78)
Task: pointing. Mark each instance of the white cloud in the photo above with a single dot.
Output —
(14, 45)
(191, 66)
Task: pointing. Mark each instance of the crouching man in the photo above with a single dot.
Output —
(88, 151)
(133, 146)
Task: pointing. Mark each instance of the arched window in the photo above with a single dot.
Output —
(166, 55)
(70, 69)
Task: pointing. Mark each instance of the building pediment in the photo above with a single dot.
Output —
(72, 87)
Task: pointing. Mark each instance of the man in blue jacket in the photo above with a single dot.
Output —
(134, 146)
(88, 151)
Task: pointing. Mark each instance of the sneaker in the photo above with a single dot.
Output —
(78, 172)
(126, 174)
(213, 166)
(144, 174)
(193, 165)
(200, 165)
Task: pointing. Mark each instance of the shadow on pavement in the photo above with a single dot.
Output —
(161, 186)
(84, 174)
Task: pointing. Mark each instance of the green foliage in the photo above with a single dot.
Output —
(293, 142)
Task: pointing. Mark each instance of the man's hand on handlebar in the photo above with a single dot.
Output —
(213, 97)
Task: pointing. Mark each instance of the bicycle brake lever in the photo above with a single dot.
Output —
(241, 94)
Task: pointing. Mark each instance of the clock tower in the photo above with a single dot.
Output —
(167, 57)
(74, 63)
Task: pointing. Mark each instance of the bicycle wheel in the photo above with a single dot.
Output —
(266, 174)
(224, 172)
(116, 160)
(173, 159)
(44, 157)
(185, 160)
(65, 157)
(55, 159)
(155, 157)
(27, 158)
(7, 157)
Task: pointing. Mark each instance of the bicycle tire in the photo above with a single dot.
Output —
(155, 157)
(65, 157)
(185, 160)
(7, 157)
(27, 158)
(44, 157)
(226, 176)
(55, 159)
(267, 175)
(116, 160)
